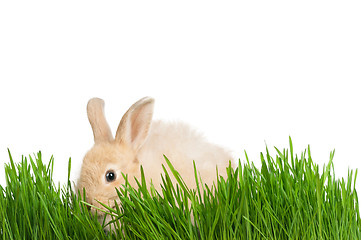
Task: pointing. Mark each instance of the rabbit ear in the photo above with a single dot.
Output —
(134, 126)
(101, 130)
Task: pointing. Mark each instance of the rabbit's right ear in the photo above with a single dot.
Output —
(101, 129)
(134, 127)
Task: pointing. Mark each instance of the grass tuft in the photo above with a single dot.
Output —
(289, 197)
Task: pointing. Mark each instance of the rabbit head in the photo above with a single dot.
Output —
(104, 163)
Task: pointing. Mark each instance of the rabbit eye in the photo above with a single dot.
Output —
(110, 176)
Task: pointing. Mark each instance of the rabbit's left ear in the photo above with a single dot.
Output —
(101, 129)
(134, 127)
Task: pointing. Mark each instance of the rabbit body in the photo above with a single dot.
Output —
(181, 145)
(141, 141)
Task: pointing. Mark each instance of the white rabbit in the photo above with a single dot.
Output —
(139, 141)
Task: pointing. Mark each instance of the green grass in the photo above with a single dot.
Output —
(289, 197)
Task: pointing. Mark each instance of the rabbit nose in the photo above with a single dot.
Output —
(87, 204)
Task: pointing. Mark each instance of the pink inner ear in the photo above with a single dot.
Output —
(139, 126)
(135, 125)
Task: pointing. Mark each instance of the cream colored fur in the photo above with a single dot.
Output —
(181, 145)
(141, 141)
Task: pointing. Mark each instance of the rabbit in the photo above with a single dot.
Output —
(141, 141)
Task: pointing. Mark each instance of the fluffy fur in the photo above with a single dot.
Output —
(141, 141)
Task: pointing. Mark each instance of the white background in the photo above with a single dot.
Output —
(246, 74)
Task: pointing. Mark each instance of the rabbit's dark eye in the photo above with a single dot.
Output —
(110, 176)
